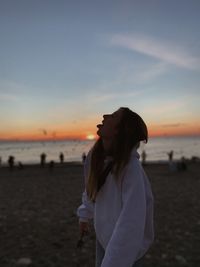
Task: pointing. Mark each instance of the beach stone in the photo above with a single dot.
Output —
(164, 256)
(181, 259)
(84, 250)
(24, 261)
(55, 259)
(57, 245)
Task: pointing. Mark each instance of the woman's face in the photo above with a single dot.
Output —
(109, 127)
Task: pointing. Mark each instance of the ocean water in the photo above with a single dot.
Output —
(156, 149)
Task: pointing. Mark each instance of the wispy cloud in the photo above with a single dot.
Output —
(149, 73)
(11, 91)
(164, 107)
(8, 97)
(162, 50)
(173, 125)
(112, 95)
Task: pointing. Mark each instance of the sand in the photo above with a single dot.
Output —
(39, 227)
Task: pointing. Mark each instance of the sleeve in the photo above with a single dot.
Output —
(126, 240)
(85, 211)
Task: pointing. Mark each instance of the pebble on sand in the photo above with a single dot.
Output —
(181, 259)
(24, 261)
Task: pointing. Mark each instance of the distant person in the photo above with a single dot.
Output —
(20, 165)
(182, 166)
(0, 161)
(172, 164)
(144, 156)
(83, 157)
(11, 162)
(61, 156)
(170, 155)
(42, 159)
(195, 159)
(51, 165)
(117, 192)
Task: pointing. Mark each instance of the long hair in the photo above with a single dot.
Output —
(131, 130)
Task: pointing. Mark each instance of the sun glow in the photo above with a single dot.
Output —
(90, 137)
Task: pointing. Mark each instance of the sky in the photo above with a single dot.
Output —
(63, 64)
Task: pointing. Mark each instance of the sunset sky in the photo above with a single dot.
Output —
(65, 63)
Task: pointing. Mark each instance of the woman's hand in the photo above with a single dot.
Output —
(84, 228)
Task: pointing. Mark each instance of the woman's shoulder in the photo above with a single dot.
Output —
(134, 154)
(133, 167)
(134, 160)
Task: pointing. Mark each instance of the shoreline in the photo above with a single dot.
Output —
(69, 163)
(157, 150)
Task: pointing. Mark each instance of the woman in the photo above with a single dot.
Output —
(118, 194)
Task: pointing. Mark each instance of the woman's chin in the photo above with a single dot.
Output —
(99, 132)
(99, 129)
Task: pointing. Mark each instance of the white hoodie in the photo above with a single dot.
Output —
(123, 214)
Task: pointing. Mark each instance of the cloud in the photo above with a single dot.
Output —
(149, 73)
(99, 97)
(8, 97)
(173, 125)
(162, 50)
(11, 91)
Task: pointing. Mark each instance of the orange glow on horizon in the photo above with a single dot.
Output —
(190, 129)
(89, 133)
(41, 137)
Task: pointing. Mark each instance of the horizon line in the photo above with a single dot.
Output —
(85, 139)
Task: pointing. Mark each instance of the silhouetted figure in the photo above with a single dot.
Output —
(83, 157)
(172, 164)
(0, 161)
(144, 156)
(20, 165)
(61, 156)
(182, 164)
(195, 159)
(42, 159)
(170, 155)
(51, 165)
(11, 162)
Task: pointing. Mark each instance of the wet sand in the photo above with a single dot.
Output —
(39, 227)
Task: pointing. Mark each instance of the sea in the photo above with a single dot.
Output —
(157, 149)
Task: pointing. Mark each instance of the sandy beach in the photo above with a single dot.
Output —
(39, 227)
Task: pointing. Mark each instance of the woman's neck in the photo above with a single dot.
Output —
(108, 146)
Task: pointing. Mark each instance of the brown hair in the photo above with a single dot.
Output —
(131, 131)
